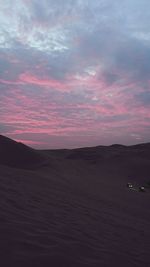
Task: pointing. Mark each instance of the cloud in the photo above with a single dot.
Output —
(74, 68)
(143, 98)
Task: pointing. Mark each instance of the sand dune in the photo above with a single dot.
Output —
(16, 154)
(76, 210)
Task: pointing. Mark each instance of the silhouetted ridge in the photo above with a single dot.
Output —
(118, 146)
(145, 146)
(18, 155)
(111, 152)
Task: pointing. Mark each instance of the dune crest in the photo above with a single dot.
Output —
(18, 155)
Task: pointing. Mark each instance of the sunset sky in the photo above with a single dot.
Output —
(75, 73)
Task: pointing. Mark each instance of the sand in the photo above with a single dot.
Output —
(75, 209)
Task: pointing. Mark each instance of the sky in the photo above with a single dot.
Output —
(75, 73)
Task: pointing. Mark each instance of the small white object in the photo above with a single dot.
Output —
(141, 188)
(129, 185)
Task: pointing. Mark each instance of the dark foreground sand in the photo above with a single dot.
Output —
(76, 210)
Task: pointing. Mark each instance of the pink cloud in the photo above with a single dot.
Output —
(34, 113)
(28, 78)
(10, 82)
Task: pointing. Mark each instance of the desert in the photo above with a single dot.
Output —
(71, 207)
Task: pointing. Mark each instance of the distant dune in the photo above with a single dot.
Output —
(72, 207)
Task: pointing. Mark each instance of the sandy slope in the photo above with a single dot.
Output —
(77, 211)
(18, 155)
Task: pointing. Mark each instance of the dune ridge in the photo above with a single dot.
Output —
(17, 154)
